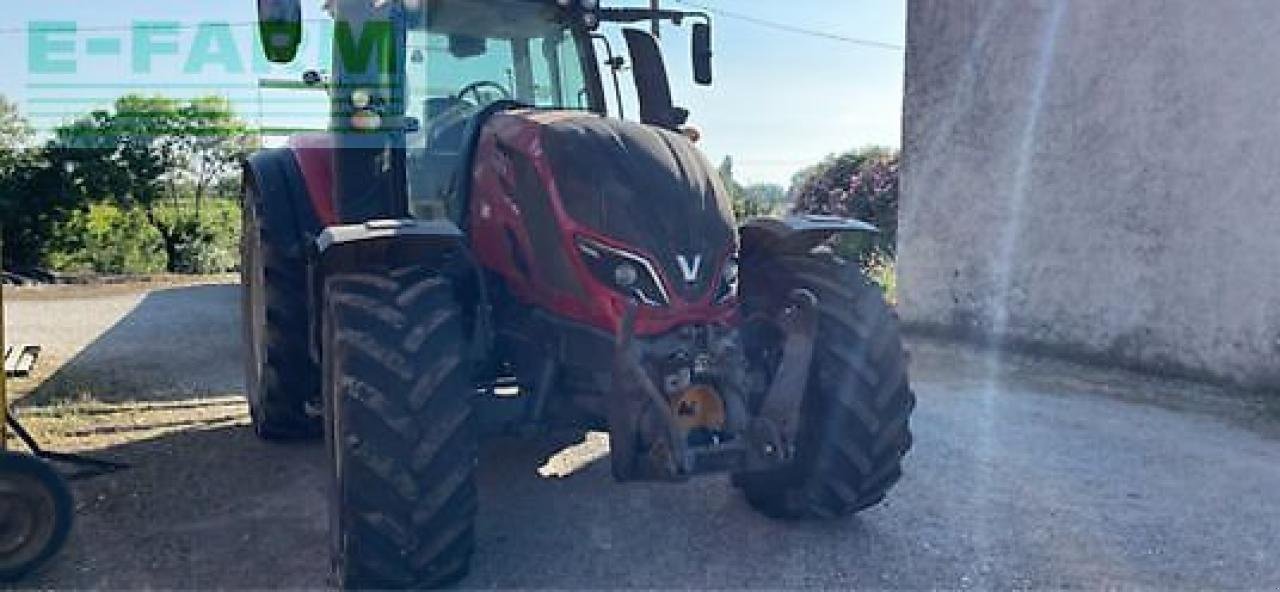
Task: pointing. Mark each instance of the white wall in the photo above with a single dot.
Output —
(1099, 178)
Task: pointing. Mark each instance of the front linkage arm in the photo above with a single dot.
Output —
(631, 394)
(774, 433)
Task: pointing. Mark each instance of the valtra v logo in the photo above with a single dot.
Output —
(690, 269)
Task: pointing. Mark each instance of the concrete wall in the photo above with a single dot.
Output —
(1097, 177)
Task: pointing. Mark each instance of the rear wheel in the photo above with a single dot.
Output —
(280, 376)
(400, 430)
(856, 410)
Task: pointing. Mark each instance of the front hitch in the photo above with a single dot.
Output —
(775, 431)
(633, 402)
(646, 437)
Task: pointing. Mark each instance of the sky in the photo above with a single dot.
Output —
(782, 100)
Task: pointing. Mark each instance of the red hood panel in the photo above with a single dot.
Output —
(666, 204)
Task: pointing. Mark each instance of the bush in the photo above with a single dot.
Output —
(862, 184)
(208, 244)
(106, 239)
(109, 239)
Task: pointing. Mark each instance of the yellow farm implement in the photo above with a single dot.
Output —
(36, 509)
(35, 502)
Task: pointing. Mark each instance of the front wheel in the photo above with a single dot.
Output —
(399, 429)
(856, 410)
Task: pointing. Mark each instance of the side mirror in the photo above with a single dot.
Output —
(280, 27)
(702, 53)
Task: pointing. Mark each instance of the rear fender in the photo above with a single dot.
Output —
(314, 156)
(796, 234)
(285, 199)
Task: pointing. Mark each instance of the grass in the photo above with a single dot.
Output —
(90, 424)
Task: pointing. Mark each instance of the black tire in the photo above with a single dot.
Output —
(280, 375)
(35, 514)
(855, 429)
(400, 431)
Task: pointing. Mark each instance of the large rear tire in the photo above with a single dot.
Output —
(280, 376)
(855, 428)
(400, 430)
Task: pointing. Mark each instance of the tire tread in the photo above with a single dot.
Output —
(289, 378)
(399, 413)
(857, 409)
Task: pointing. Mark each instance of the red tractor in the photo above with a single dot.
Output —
(477, 246)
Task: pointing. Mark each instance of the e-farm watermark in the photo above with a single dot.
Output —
(62, 47)
(74, 68)
(146, 48)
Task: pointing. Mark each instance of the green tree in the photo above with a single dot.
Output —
(159, 155)
(748, 202)
(215, 142)
(36, 194)
(15, 135)
(726, 177)
(766, 193)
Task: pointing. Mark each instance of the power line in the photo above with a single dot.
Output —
(792, 28)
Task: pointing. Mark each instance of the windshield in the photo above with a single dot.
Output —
(515, 49)
(464, 55)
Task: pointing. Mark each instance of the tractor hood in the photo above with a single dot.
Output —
(647, 189)
(564, 203)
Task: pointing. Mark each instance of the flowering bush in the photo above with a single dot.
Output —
(862, 184)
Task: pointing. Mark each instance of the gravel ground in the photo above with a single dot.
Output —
(129, 342)
(1026, 473)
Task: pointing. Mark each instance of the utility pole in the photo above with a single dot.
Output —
(653, 4)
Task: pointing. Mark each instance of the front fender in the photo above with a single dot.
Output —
(795, 234)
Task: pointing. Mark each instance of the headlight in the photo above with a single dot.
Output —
(728, 286)
(627, 273)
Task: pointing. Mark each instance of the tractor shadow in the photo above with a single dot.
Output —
(214, 507)
(200, 507)
(581, 529)
(207, 505)
(176, 343)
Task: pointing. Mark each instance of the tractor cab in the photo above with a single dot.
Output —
(462, 57)
(413, 80)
